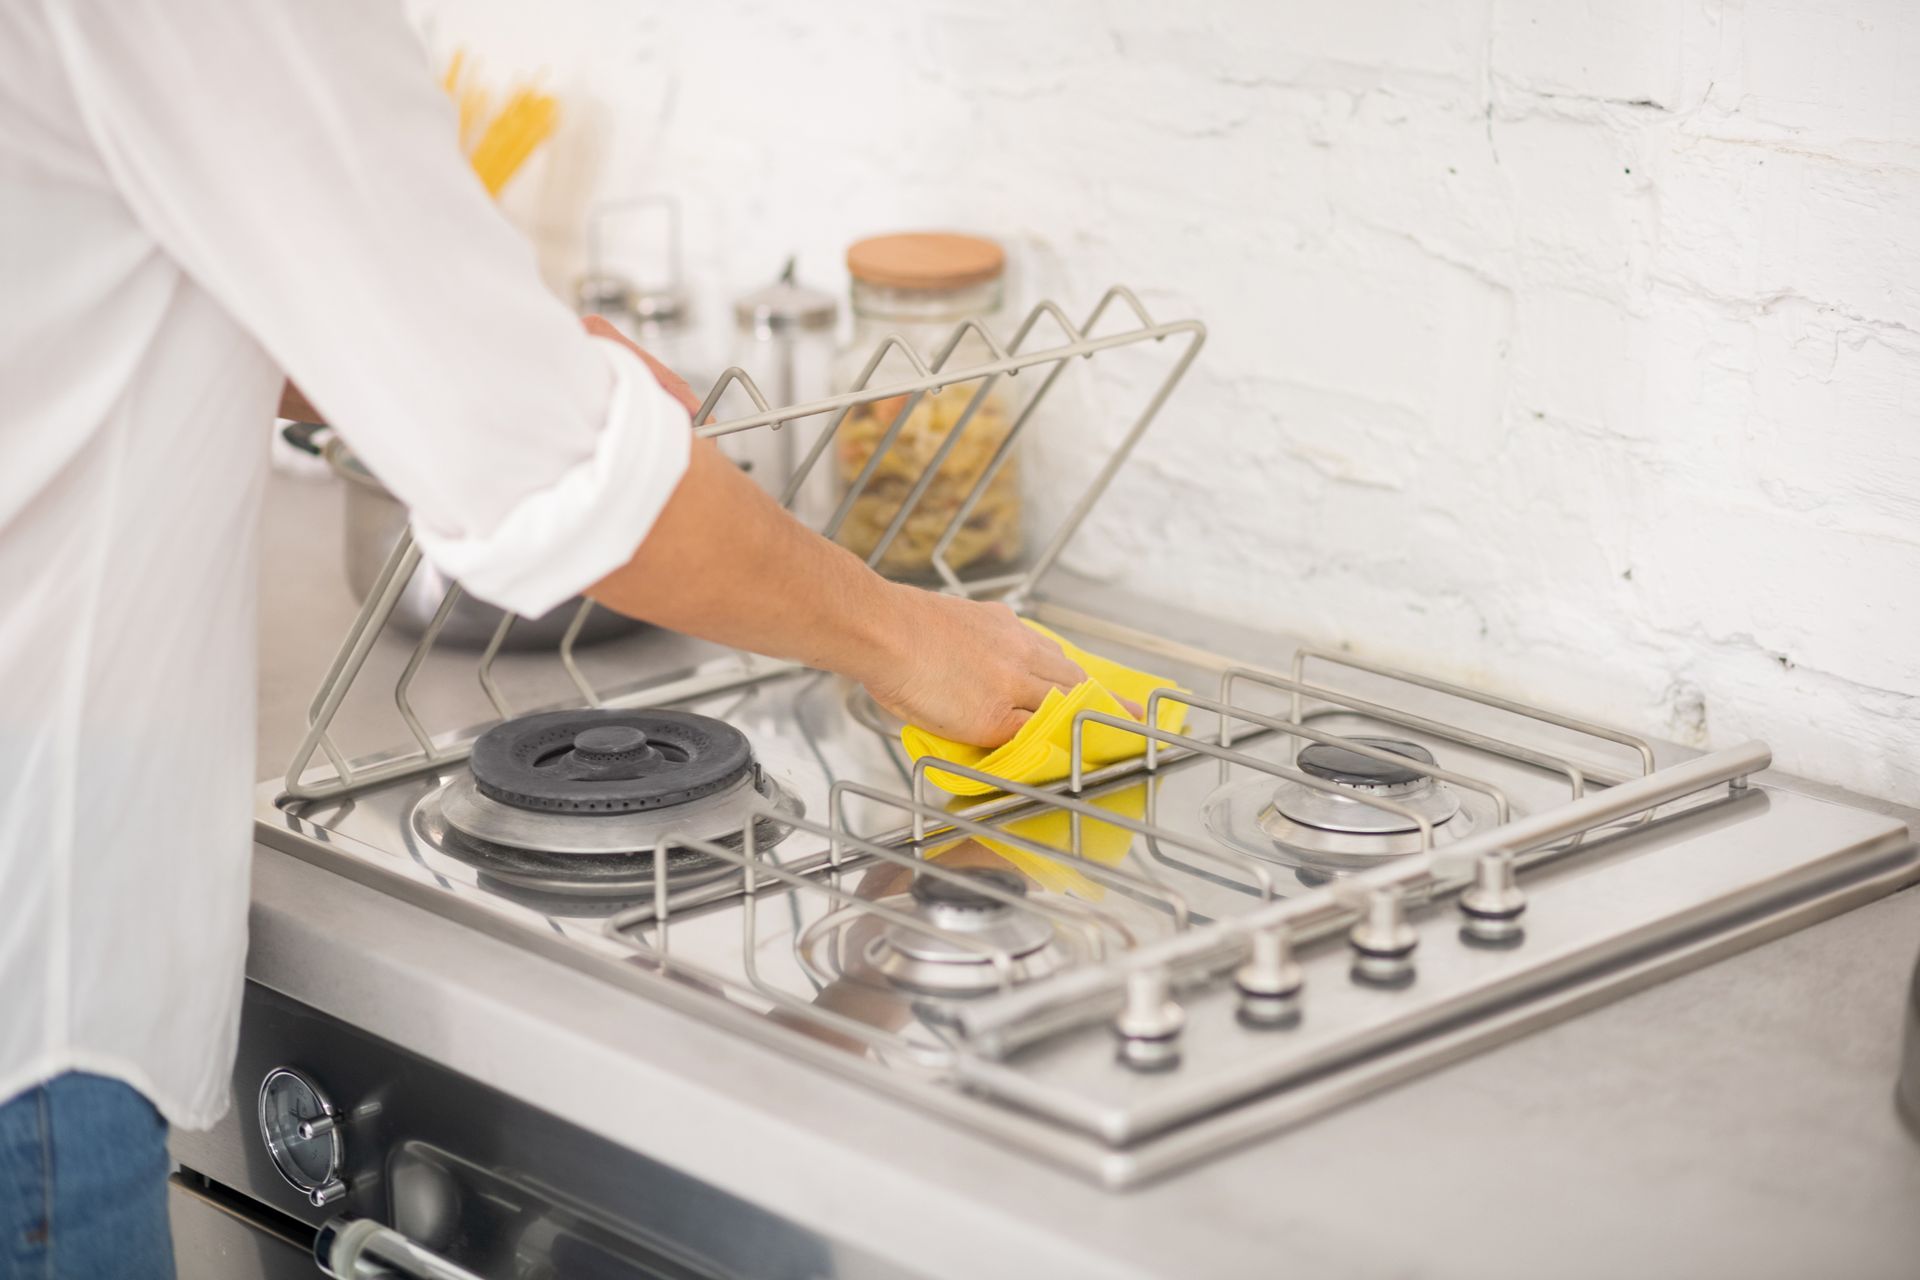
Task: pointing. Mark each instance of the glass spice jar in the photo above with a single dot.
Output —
(784, 341)
(921, 285)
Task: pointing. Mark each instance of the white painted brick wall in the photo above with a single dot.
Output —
(1571, 347)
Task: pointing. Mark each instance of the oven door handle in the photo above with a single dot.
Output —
(361, 1249)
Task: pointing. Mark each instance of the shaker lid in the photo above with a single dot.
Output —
(664, 305)
(786, 305)
(615, 296)
(926, 260)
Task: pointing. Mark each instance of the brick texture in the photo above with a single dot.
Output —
(1570, 347)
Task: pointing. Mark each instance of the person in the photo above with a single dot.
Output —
(198, 203)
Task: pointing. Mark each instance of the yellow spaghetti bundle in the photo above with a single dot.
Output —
(499, 146)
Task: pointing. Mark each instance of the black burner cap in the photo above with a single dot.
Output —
(940, 891)
(1351, 769)
(598, 761)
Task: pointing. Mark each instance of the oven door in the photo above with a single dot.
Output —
(218, 1235)
(499, 1229)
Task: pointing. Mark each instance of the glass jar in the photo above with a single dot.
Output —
(920, 286)
(633, 280)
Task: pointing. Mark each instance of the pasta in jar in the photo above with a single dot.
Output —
(991, 534)
(921, 286)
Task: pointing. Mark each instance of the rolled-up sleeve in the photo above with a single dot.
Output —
(298, 161)
(562, 538)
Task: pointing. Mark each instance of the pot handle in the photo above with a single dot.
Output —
(306, 436)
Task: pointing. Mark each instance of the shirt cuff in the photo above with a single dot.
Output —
(560, 540)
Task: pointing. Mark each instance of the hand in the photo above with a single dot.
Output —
(964, 669)
(676, 385)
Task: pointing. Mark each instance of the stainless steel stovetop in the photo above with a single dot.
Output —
(1147, 911)
(1268, 914)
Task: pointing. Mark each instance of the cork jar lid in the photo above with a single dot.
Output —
(926, 260)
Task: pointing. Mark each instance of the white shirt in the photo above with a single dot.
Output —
(196, 197)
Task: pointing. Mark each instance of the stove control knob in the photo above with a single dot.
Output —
(318, 1127)
(302, 1130)
(1383, 941)
(1269, 982)
(1492, 904)
(1150, 1022)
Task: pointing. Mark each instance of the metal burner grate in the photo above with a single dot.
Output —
(1207, 1005)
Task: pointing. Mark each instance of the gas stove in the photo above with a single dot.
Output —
(1340, 873)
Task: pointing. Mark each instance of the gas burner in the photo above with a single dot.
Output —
(608, 762)
(1285, 821)
(925, 961)
(575, 802)
(854, 943)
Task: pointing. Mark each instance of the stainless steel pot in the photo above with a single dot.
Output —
(374, 521)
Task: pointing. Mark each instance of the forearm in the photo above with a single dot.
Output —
(725, 562)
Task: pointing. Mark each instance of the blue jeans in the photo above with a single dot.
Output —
(83, 1183)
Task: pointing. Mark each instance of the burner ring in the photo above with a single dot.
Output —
(597, 856)
(1294, 826)
(601, 761)
(962, 919)
(1334, 763)
(940, 892)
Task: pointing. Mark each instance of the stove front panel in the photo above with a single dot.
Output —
(468, 1173)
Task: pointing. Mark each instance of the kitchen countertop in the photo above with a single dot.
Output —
(1734, 1121)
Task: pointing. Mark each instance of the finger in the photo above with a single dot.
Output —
(601, 327)
(1132, 708)
(1032, 692)
(675, 385)
(993, 734)
(1056, 668)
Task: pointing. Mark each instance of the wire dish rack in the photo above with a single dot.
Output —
(1082, 342)
(1161, 1018)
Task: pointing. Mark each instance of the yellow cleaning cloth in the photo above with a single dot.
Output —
(1100, 842)
(1042, 751)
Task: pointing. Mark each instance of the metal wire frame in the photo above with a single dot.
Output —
(1301, 657)
(1576, 777)
(1077, 809)
(992, 1025)
(935, 1057)
(1176, 903)
(1086, 937)
(995, 1025)
(918, 863)
(1092, 938)
(923, 812)
(1008, 360)
(1328, 902)
(1228, 713)
(1222, 942)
